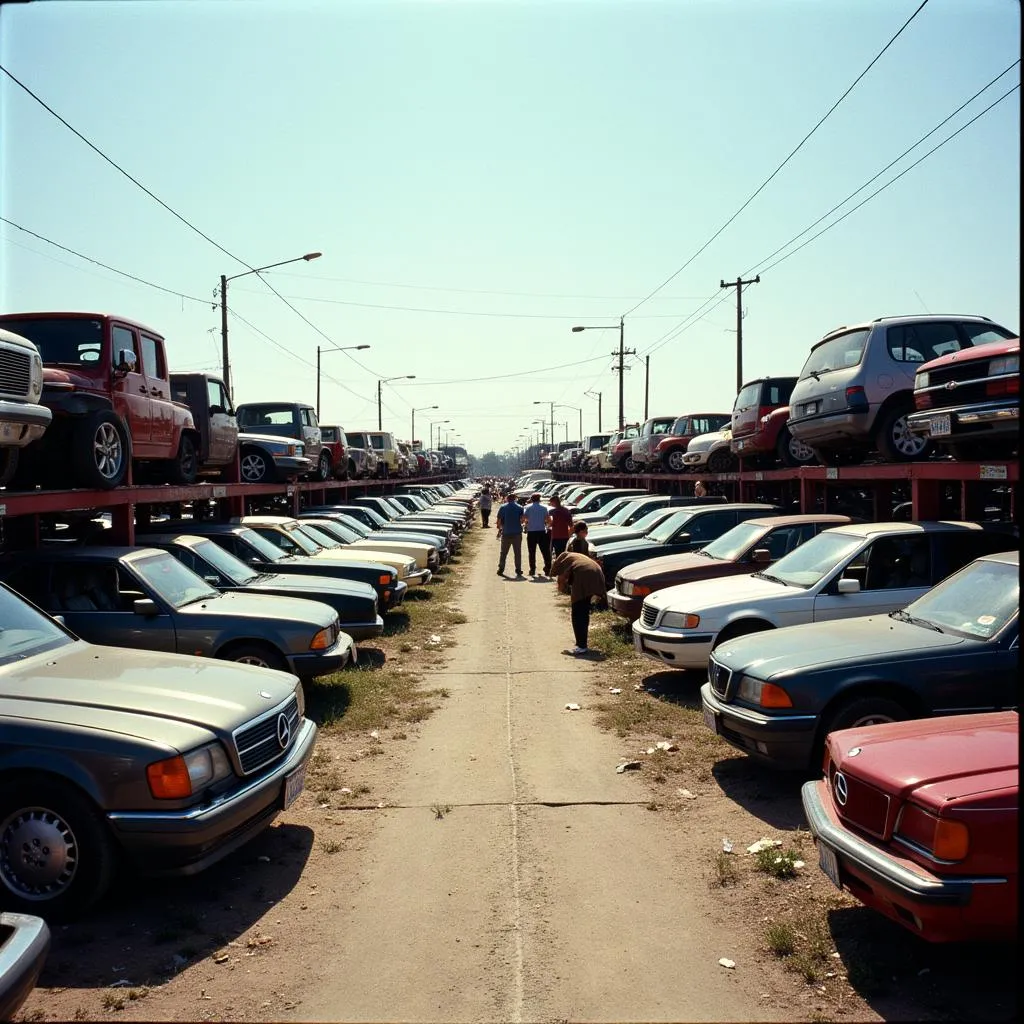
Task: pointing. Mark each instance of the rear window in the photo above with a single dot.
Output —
(836, 353)
(747, 396)
(922, 342)
(265, 416)
(328, 435)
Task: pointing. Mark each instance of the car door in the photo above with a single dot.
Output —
(223, 424)
(310, 433)
(129, 391)
(702, 528)
(158, 386)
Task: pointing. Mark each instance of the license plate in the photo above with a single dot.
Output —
(938, 426)
(293, 784)
(810, 408)
(829, 863)
(710, 718)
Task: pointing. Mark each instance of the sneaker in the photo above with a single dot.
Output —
(579, 650)
(501, 572)
(519, 575)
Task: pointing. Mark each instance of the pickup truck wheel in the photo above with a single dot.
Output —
(792, 451)
(99, 451)
(353, 472)
(255, 466)
(185, 467)
(255, 654)
(56, 857)
(8, 465)
(323, 467)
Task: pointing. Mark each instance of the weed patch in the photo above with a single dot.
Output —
(777, 863)
(725, 870)
(780, 938)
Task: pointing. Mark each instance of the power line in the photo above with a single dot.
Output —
(793, 153)
(504, 376)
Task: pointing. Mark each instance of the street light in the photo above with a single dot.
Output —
(386, 380)
(597, 395)
(622, 360)
(580, 411)
(436, 423)
(552, 415)
(422, 408)
(343, 348)
(224, 307)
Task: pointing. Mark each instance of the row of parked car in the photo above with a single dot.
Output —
(900, 387)
(887, 652)
(151, 697)
(83, 396)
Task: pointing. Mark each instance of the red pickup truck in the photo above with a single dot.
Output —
(106, 381)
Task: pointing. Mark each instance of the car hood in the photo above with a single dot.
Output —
(81, 683)
(704, 595)
(935, 760)
(840, 642)
(400, 563)
(63, 375)
(603, 537)
(624, 547)
(420, 552)
(265, 607)
(281, 439)
(313, 585)
(691, 565)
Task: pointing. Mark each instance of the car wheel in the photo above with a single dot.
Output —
(8, 465)
(185, 467)
(792, 451)
(255, 466)
(323, 467)
(674, 463)
(629, 464)
(894, 439)
(259, 655)
(863, 711)
(99, 451)
(353, 472)
(740, 629)
(56, 857)
(721, 461)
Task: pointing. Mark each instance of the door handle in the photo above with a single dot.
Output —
(143, 391)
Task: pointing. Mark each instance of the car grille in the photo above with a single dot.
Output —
(969, 380)
(649, 616)
(15, 372)
(258, 744)
(719, 676)
(865, 808)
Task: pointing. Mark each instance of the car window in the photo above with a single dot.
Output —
(982, 334)
(777, 392)
(662, 428)
(174, 582)
(921, 342)
(25, 631)
(811, 562)
(706, 526)
(328, 435)
(979, 600)
(836, 353)
(747, 396)
(217, 397)
(123, 340)
(954, 549)
(377, 442)
(264, 416)
(784, 539)
(891, 563)
(251, 543)
(153, 358)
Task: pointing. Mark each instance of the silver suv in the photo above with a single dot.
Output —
(857, 386)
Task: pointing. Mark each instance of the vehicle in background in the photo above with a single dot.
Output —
(295, 420)
(672, 447)
(407, 463)
(263, 458)
(336, 445)
(24, 944)
(968, 402)
(711, 453)
(749, 546)
(592, 445)
(856, 388)
(953, 650)
(214, 417)
(646, 441)
(759, 433)
(145, 598)
(165, 761)
(919, 821)
(621, 455)
(105, 380)
(22, 418)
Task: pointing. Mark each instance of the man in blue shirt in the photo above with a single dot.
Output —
(510, 532)
(536, 521)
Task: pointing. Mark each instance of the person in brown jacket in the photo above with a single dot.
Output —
(583, 578)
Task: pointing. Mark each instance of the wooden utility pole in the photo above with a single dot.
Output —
(738, 285)
(647, 383)
(623, 352)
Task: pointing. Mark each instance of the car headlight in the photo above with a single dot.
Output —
(176, 778)
(922, 380)
(35, 385)
(767, 695)
(1004, 364)
(680, 620)
(300, 698)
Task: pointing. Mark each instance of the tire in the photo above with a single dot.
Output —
(721, 461)
(740, 629)
(323, 466)
(791, 451)
(673, 462)
(52, 824)
(255, 466)
(894, 441)
(353, 472)
(185, 467)
(99, 451)
(864, 711)
(260, 655)
(629, 464)
(8, 465)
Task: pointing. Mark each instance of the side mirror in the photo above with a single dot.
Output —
(212, 580)
(761, 556)
(682, 538)
(145, 606)
(848, 586)
(60, 619)
(126, 361)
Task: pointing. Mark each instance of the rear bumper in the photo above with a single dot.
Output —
(24, 943)
(836, 428)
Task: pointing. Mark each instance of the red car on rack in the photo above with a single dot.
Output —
(672, 447)
(918, 820)
(759, 433)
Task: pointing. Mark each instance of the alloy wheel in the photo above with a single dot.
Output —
(108, 451)
(38, 854)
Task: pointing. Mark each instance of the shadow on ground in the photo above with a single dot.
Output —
(772, 796)
(676, 687)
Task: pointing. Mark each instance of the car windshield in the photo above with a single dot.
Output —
(333, 529)
(649, 520)
(226, 564)
(812, 561)
(266, 549)
(979, 600)
(358, 528)
(836, 353)
(264, 416)
(625, 510)
(734, 542)
(315, 534)
(667, 530)
(25, 631)
(177, 584)
(62, 341)
(302, 540)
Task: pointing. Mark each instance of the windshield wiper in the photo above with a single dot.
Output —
(905, 616)
(196, 600)
(769, 577)
(703, 554)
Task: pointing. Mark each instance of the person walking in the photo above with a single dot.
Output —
(485, 507)
(584, 579)
(561, 524)
(510, 533)
(535, 519)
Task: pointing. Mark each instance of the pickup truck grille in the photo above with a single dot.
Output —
(258, 743)
(649, 616)
(15, 372)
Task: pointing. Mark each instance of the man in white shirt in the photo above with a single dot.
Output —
(536, 521)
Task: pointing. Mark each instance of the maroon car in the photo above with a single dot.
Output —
(918, 820)
(759, 433)
(336, 444)
(671, 448)
(745, 548)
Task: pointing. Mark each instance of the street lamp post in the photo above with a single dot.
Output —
(436, 423)
(597, 395)
(224, 308)
(385, 380)
(344, 348)
(622, 360)
(551, 414)
(580, 411)
(422, 408)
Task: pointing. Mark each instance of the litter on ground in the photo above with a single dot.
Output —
(572, 707)
(763, 844)
(727, 963)
(628, 766)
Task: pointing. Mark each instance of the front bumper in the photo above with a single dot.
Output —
(184, 842)
(291, 465)
(627, 607)
(363, 630)
(398, 592)
(982, 420)
(694, 460)
(308, 666)
(675, 649)
(24, 943)
(783, 741)
(419, 578)
(21, 423)
(938, 909)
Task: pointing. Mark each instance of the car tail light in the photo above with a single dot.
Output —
(169, 780)
(943, 838)
(922, 401)
(856, 398)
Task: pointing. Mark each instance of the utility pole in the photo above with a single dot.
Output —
(224, 333)
(738, 285)
(623, 352)
(647, 383)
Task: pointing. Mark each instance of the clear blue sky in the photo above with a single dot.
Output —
(552, 162)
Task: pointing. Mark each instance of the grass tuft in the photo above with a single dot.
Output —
(777, 863)
(780, 938)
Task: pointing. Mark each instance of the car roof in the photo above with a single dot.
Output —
(265, 520)
(936, 526)
(283, 404)
(909, 318)
(90, 553)
(799, 520)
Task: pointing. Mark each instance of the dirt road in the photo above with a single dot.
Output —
(515, 875)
